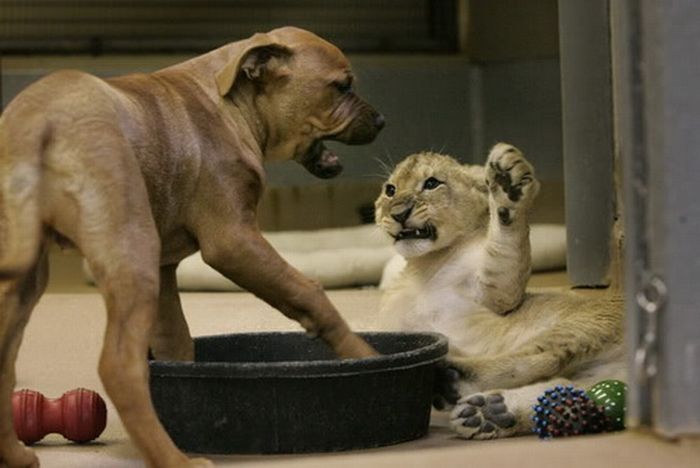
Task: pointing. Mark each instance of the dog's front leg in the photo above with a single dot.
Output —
(247, 259)
(171, 339)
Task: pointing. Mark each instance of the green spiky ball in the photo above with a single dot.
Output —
(610, 394)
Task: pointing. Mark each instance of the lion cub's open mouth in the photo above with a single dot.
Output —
(426, 232)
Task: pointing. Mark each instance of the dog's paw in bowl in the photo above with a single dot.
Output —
(285, 393)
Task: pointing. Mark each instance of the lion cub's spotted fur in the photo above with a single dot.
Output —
(465, 235)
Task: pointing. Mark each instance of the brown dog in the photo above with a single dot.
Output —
(142, 170)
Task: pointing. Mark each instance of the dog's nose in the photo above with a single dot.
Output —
(379, 121)
(403, 216)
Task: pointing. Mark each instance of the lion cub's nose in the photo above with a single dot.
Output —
(403, 216)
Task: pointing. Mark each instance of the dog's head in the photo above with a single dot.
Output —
(301, 89)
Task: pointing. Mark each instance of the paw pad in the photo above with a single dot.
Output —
(511, 181)
(482, 416)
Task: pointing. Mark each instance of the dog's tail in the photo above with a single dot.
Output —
(20, 191)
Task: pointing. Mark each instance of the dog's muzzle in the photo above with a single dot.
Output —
(364, 127)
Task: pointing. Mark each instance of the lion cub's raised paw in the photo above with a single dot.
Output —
(511, 181)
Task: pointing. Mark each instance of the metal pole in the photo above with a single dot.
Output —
(586, 83)
(658, 110)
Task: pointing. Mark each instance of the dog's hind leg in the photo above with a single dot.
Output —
(21, 150)
(171, 339)
(123, 252)
(129, 282)
(18, 296)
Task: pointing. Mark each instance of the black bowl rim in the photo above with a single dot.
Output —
(421, 356)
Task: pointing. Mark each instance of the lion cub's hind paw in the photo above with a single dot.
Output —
(482, 417)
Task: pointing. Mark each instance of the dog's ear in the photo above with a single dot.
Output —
(261, 59)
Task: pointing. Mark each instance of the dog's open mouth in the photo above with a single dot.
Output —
(321, 162)
(426, 232)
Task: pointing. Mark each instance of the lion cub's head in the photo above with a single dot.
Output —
(430, 202)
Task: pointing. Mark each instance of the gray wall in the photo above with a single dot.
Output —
(522, 105)
(426, 102)
(440, 103)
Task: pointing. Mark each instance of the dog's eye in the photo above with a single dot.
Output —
(343, 87)
(389, 190)
(431, 183)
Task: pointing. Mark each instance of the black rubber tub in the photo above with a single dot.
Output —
(286, 393)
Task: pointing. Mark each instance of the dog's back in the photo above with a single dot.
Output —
(27, 134)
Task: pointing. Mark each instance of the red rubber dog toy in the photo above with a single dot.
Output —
(79, 415)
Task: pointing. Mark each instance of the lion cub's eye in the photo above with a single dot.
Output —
(431, 183)
(389, 190)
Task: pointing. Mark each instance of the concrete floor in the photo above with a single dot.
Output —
(628, 449)
(66, 330)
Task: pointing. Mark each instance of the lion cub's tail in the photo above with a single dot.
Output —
(20, 180)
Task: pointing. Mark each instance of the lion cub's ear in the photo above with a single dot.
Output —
(259, 60)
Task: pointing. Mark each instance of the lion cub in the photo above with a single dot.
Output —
(464, 233)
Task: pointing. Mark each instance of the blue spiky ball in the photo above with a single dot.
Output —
(566, 411)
